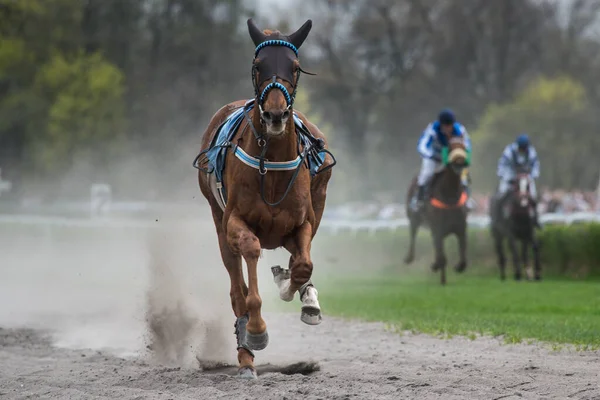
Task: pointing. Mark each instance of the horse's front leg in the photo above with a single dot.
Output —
(440, 257)
(414, 221)
(525, 258)
(238, 292)
(243, 241)
(515, 256)
(462, 249)
(297, 278)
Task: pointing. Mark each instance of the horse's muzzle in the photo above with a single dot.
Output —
(457, 168)
(275, 121)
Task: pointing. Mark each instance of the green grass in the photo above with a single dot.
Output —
(549, 311)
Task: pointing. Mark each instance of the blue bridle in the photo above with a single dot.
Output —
(289, 98)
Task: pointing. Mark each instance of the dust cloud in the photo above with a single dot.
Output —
(160, 292)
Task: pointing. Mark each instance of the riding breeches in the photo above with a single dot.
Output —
(428, 168)
(504, 186)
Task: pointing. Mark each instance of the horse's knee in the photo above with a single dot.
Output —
(249, 246)
(301, 271)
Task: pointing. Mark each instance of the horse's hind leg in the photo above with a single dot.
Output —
(297, 278)
(243, 241)
(414, 221)
(499, 242)
(525, 258)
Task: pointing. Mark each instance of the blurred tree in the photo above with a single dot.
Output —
(387, 67)
(561, 122)
(30, 32)
(85, 118)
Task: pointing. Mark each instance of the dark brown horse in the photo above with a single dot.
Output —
(270, 190)
(515, 223)
(445, 212)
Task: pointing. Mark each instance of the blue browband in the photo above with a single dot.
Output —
(275, 42)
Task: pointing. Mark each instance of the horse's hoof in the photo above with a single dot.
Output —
(257, 342)
(247, 373)
(460, 267)
(538, 278)
(408, 259)
(311, 310)
(311, 315)
(517, 277)
(280, 274)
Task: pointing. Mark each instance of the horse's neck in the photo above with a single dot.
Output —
(284, 148)
(448, 184)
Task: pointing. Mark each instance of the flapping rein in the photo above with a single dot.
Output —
(310, 148)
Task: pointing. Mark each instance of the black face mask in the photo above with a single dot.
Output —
(276, 55)
(275, 61)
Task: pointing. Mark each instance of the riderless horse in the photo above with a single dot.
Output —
(445, 211)
(514, 221)
(264, 171)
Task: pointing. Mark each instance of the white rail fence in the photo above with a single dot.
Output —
(332, 226)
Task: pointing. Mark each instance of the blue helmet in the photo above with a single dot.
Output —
(523, 141)
(446, 117)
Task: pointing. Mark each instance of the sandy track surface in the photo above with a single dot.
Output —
(79, 309)
(356, 361)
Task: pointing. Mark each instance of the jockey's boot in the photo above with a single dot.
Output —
(470, 202)
(417, 203)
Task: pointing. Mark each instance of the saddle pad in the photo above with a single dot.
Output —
(217, 152)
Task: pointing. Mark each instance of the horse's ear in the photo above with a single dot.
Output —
(256, 34)
(298, 37)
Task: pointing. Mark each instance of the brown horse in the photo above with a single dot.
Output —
(445, 212)
(270, 190)
(515, 222)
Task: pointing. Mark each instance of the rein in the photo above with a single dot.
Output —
(316, 146)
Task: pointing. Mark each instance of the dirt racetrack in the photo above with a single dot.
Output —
(80, 310)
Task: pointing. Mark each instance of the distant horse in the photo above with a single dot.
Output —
(515, 222)
(270, 191)
(445, 211)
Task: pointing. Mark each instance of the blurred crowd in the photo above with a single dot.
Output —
(552, 201)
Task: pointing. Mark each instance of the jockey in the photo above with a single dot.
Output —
(430, 145)
(519, 156)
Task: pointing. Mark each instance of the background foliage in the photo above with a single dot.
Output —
(99, 90)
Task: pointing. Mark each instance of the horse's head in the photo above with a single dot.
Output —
(457, 155)
(275, 73)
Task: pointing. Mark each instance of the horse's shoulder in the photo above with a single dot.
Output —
(217, 119)
(228, 108)
(313, 128)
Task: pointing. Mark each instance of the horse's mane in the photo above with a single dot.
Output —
(270, 32)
